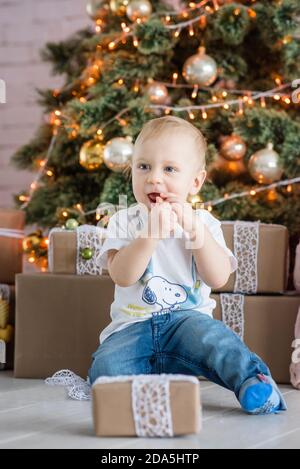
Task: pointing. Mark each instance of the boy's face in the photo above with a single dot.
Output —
(166, 164)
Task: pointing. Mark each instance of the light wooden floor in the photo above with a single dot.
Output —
(33, 415)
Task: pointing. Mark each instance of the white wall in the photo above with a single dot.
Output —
(25, 26)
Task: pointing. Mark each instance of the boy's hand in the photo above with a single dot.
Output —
(186, 218)
(162, 220)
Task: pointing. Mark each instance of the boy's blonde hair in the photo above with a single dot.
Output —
(155, 127)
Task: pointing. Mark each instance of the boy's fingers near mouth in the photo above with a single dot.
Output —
(169, 196)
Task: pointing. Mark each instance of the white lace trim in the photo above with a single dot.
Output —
(246, 239)
(2, 352)
(77, 387)
(4, 292)
(232, 307)
(87, 236)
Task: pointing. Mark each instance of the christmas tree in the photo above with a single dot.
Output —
(230, 68)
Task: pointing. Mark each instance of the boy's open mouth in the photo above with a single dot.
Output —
(152, 196)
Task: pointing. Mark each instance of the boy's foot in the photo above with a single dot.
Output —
(260, 395)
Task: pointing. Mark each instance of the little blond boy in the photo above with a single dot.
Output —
(164, 257)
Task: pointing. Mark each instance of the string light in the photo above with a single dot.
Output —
(227, 104)
(175, 76)
(241, 110)
(195, 92)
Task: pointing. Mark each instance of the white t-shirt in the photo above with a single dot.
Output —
(170, 281)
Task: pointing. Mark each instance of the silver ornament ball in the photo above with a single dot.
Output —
(139, 9)
(157, 92)
(97, 9)
(200, 69)
(264, 165)
(233, 148)
(117, 153)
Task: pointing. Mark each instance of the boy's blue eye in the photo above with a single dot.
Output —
(170, 167)
(142, 166)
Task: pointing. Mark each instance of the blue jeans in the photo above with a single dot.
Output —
(180, 342)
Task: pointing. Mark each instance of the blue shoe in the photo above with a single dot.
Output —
(260, 395)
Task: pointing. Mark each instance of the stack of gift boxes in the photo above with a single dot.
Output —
(11, 232)
(254, 302)
(60, 314)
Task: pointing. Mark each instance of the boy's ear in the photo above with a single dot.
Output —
(198, 182)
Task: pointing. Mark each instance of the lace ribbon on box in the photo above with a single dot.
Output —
(246, 239)
(150, 397)
(232, 307)
(12, 233)
(151, 401)
(4, 292)
(87, 236)
(2, 352)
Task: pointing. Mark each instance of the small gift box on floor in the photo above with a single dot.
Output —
(75, 251)
(161, 405)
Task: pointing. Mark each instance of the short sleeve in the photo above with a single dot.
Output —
(215, 227)
(117, 236)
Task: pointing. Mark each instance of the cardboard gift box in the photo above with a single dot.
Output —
(261, 253)
(269, 323)
(146, 405)
(7, 321)
(58, 322)
(11, 253)
(75, 251)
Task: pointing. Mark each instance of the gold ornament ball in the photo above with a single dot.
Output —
(71, 224)
(233, 148)
(97, 9)
(264, 165)
(91, 154)
(118, 6)
(117, 154)
(4, 312)
(157, 92)
(139, 9)
(200, 69)
(31, 242)
(86, 253)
